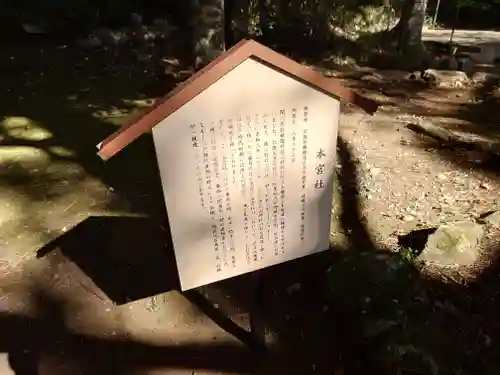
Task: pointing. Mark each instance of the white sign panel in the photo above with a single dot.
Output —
(247, 171)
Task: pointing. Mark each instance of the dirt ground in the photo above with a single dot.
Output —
(412, 180)
(86, 284)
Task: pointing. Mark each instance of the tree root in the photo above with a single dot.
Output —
(451, 139)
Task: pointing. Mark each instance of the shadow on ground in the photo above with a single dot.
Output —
(75, 96)
(44, 346)
(355, 310)
(123, 259)
(128, 258)
(467, 115)
(107, 251)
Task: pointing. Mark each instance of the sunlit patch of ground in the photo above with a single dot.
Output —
(24, 128)
(44, 191)
(61, 151)
(23, 157)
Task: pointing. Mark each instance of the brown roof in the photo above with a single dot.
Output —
(205, 77)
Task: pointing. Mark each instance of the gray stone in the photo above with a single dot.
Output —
(453, 244)
(447, 78)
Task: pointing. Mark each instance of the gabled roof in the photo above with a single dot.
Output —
(219, 67)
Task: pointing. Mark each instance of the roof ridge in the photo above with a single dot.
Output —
(211, 73)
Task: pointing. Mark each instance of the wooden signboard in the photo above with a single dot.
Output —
(246, 152)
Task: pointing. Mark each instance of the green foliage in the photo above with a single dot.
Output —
(314, 23)
(407, 254)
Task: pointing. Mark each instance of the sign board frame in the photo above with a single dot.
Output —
(200, 82)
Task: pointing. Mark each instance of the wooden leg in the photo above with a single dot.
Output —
(257, 324)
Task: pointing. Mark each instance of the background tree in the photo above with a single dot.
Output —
(237, 21)
(207, 27)
(408, 31)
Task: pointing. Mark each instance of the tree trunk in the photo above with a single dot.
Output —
(262, 9)
(207, 25)
(237, 18)
(410, 28)
(322, 25)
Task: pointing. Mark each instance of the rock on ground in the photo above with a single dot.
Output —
(453, 244)
(448, 78)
